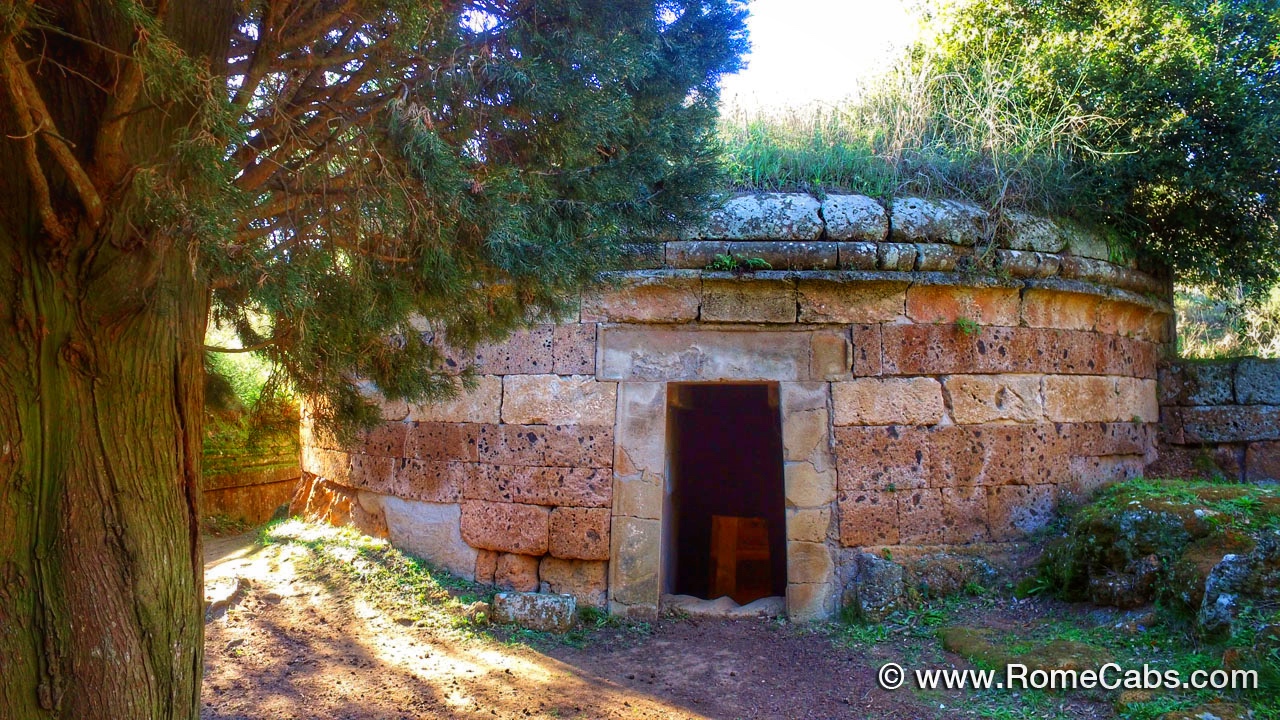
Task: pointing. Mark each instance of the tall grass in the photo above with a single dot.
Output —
(1210, 327)
(920, 130)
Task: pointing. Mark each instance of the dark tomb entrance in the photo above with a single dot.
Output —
(725, 523)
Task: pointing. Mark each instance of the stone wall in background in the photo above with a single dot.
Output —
(944, 381)
(1220, 418)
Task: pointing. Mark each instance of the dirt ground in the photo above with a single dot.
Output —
(290, 647)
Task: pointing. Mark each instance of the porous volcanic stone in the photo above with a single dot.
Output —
(536, 611)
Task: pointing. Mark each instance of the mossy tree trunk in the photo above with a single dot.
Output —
(102, 319)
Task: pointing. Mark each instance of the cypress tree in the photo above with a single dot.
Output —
(352, 185)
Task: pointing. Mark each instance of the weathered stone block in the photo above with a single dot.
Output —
(805, 436)
(856, 255)
(807, 602)
(1262, 462)
(633, 571)
(587, 581)
(964, 514)
(867, 349)
(432, 532)
(556, 400)
(442, 441)
(790, 255)
(580, 533)
(1081, 398)
(1020, 264)
(807, 487)
(486, 566)
(524, 351)
(950, 221)
(638, 495)
(641, 429)
(855, 217)
(896, 256)
(516, 572)
(868, 518)
(876, 588)
(370, 472)
(935, 257)
(1015, 511)
(1233, 423)
(831, 357)
(1099, 272)
(536, 611)
(1201, 383)
(927, 350)
(1070, 352)
(641, 256)
(872, 301)
(1137, 401)
(480, 404)
(882, 458)
(809, 524)
(1031, 232)
(546, 445)
(1258, 382)
(573, 349)
(948, 304)
(1124, 319)
(571, 486)
(1082, 242)
(385, 440)
(762, 216)
(428, 480)
(748, 299)
(809, 563)
(505, 527)
(651, 297)
(990, 398)
(887, 401)
(695, 254)
(630, 353)
(920, 517)
(1057, 309)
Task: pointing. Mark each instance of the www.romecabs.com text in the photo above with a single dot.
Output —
(1110, 676)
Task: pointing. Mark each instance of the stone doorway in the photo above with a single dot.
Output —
(725, 523)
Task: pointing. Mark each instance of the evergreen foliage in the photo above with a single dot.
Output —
(1188, 164)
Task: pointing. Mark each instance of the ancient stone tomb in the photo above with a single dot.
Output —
(898, 380)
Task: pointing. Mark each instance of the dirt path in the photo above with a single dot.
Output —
(291, 647)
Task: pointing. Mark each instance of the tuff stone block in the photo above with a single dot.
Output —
(748, 299)
(856, 255)
(964, 514)
(524, 351)
(1258, 382)
(809, 563)
(478, 405)
(887, 401)
(486, 566)
(505, 527)
(855, 217)
(790, 255)
(1081, 398)
(807, 487)
(573, 349)
(1201, 383)
(997, 306)
(427, 480)
(762, 216)
(950, 221)
(431, 531)
(385, 440)
(638, 495)
(1015, 511)
(633, 572)
(570, 486)
(882, 458)
(977, 399)
(805, 436)
(1238, 423)
(585, 580)
(868, 518)
(810, 601)
(637, 354)
(936, 257)
(580, 533)
(872, 301)
(695, 254)
(557, 400)
(1262, 462)
(920, 517)
(641, 429)
(831, 357)
(809, 524)
(897, 256)
(1025, 264)
(441, 441)
(867, 349)
(516, 572)
(1029, 232)
(1057, 309)
(545, 445)
(656, 297)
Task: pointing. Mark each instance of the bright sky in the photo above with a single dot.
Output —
(816, 50)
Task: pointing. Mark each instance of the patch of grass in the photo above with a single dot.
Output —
(738, 263)
(219, 525)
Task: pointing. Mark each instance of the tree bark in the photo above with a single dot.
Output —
(100, 436)
(101, 383)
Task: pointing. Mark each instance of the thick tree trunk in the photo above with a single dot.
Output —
(100, 559)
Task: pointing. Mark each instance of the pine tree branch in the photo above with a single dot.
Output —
(109, 158)
(35, 118)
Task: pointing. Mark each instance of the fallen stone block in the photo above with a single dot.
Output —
(536, 611)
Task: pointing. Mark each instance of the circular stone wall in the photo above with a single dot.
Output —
(939, 394)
